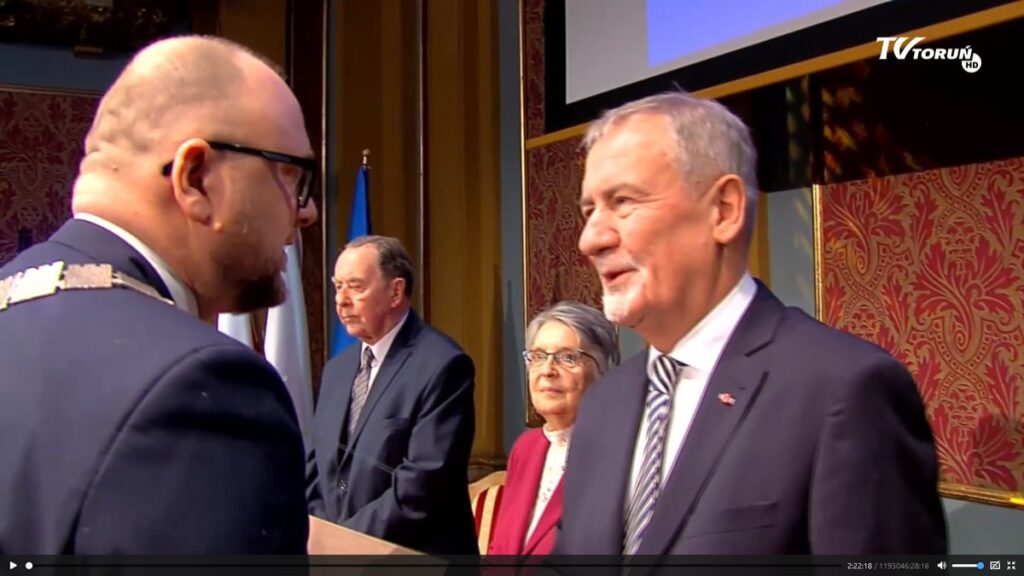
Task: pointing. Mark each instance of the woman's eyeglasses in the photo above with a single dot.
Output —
(567, 358)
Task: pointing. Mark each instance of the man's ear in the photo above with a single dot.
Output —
(188, 179)
(729, 196)
(397, 290)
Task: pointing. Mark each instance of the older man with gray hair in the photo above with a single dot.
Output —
(747, 427)
(394, 424)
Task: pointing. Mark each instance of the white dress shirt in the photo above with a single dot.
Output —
(554, 468)
(380, 349)
(183, 297)
(699, 350)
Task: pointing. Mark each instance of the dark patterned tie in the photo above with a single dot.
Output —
(648, 484)
(360, 390)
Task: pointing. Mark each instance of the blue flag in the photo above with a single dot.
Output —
(358, 225)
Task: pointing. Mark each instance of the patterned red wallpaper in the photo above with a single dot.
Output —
(555, 269)
(41, 140)
(533, 67)
(930, 266)
(40, 148)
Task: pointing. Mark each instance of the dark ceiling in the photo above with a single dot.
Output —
(91, 26)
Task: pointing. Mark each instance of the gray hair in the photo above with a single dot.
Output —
(596, 333)
(392, 259)
(710, 140)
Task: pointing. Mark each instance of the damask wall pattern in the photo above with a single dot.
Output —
(555, 268)
(930, 266)
(40, 148)
(533, 67)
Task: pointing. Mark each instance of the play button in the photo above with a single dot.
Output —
(13, 566)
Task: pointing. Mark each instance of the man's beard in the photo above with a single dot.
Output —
(618, 301)
(264, 292)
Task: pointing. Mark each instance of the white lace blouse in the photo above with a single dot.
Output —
(554, 467)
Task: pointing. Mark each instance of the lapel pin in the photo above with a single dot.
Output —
(727, 399)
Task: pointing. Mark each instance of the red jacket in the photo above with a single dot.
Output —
(525, 466)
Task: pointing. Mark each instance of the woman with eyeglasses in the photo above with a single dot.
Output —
(568, 346)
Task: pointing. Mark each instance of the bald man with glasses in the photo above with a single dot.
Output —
(129, 424)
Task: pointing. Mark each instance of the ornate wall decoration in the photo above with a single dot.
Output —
(43, 135)
(930, 266)
(555, 269)
(532, 54)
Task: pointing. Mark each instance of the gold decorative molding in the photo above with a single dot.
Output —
(44, 90)
(982, 495)
(524, 224)
(819, 289)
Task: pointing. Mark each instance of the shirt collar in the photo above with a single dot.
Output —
(381, 347)
(558, 437)
(703, 345)
(183, 297)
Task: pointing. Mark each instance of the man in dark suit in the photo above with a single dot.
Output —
(129, 424)
(747, 427)
(394, 422)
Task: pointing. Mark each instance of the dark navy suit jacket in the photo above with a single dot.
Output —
(826, 450)
(402, 476)
(130, 427)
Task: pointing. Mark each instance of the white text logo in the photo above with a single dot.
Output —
(902, 47)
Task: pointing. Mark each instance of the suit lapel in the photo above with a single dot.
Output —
(400, 350)
(613, 450)
(349, 365)
(527, 489)
(738, 374)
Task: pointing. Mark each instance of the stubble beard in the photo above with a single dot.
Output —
(263, 292)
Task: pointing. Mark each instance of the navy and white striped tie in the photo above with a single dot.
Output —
(648, 484)
(360, 390)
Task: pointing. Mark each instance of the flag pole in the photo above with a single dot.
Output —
(366, 169)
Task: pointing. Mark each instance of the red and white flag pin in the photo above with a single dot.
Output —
(727, 399)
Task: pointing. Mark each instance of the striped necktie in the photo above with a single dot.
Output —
(360, 390)
(648, 484)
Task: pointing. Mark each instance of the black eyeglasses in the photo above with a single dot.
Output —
(304, 187)
(567, 358)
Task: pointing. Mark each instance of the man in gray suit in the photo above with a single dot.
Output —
(747, 427)
(394, 422)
